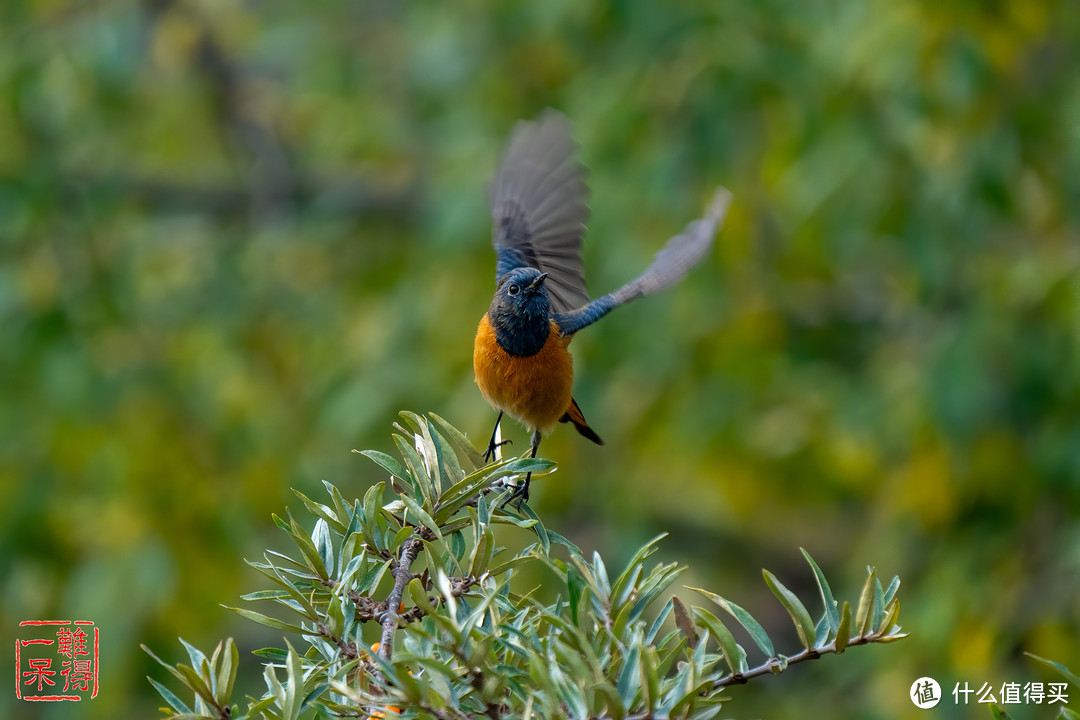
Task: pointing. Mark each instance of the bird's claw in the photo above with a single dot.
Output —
(489, 454)
(521, 493)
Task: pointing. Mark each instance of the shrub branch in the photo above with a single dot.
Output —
(402, 576)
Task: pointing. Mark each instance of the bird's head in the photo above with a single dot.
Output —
(520, 312)
(521, 292)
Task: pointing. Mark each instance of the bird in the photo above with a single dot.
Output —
(538, 198)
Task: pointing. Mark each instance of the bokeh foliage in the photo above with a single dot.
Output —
(237, 237)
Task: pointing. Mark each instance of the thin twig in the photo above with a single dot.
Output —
(402, 576)
(347, 649)
(774, 665)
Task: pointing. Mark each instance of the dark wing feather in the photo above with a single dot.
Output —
(681, 253)
(538, 204)
(670, 265)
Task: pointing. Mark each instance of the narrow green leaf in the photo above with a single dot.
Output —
(889, 619)
(843, 630)
(457, 544)
(267, 620)
(280, 522)
(313, 695)
(404, 533)
(175, 673)
(879, 605)
(558, 539)
(1065, 672)
(655, 585)
(272, 572)
(831, 613)
(321, 511)
(536, 526)
(341, 508)
(630, 677)
(274, 685)
(370, 580)
(295, 675)
(261, 709)
(659, 620)
(354, 521)
(428, 439)
(752, 626)
(196, 683)
(226, 675)
(522, 465)
(421, 516)
(804, 625)
(387, 463)
(482, 552)
(624, 583)
(723, 636)
(452, 470)
(461, 493)
(521, 522)
(694, 701)
(822, 632)
(483, 511)
(174, 702)
(612, 699)
(651, 679)
(371, 507)
(320, 538)
(864, 612)
(601, 577)
(307, 549)
(890, 592)
(195, 654)
(460, 442)
(265, 595)
(575, 584)
(419, 596)
(350, 572)
(502, 567)
(425, 490)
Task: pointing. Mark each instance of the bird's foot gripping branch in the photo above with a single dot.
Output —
(413, 608)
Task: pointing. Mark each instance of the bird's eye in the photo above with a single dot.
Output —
(513, 289)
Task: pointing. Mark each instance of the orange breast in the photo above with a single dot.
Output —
(534, 389)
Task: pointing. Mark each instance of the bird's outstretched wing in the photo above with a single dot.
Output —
(670, 265)
(681, 253)
(538, 204)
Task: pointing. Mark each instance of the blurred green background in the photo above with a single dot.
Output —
(238, 237)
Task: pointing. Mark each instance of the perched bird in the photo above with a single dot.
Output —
(538, 204)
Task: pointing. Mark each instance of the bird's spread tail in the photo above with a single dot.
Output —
(574, 415)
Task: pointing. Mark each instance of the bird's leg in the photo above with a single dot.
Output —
(522, 490)
(489, 454)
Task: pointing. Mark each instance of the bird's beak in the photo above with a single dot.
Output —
(538, 281)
